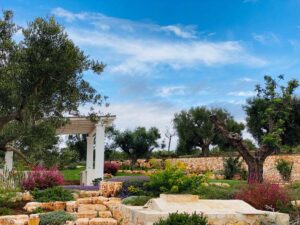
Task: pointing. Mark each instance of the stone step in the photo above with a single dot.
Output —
(92, 214)
(95, 221)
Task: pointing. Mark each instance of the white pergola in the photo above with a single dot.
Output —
(95, 145)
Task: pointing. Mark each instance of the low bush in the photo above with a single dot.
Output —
(56, 218)
(5, 211)
(52, 194)
(233, 166)
(284, 168)
(264, 196)
(136, 200)
(173, 179)
(111, 168)
(183, 219)
(133, 185)
(42, 178)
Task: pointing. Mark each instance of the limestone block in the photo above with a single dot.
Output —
(86, 214)
(219, 184)
(82, 221)
(88, 200)
(103, 221)
(47, 206)
(94, 207)
(71, 206)
(110, 189)
(26, 196)
(31, 206)
(99, 200)
(59, 206)
(70, 223)
(14, 220)
(296, 203)
(105, 214)
(34, 221)
(84, 194)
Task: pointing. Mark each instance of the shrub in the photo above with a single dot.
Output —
(10, 179)
(52, 194)
(136, 200)
(133, 185)
(111, 168)
(284, 168)
(56, 218)
(233, 166)
(173, 179)
(264, 196)
(183, 219)
(42, 178)
(4, 211)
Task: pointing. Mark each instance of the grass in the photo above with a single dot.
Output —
(213, 192)
(72, 174)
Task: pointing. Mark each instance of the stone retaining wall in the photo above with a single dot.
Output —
(270, 172)
(215, 164)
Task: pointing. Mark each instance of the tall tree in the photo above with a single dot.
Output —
(138, 143)
(195, 130)
(258, 121)
(278, 113)
(41, 79)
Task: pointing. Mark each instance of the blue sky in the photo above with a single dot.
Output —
(165, 56)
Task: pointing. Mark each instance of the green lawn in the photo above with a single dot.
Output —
(72, 174)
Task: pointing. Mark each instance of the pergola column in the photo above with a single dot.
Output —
(90, 153)
(99, 151)
(9, 155)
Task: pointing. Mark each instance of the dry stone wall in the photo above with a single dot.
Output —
(215, 164)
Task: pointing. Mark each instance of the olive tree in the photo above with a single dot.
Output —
(275, 116)
(41, 79)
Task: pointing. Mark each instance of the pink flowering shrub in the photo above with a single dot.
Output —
(111, 168)
(264, 195)
(41, 178)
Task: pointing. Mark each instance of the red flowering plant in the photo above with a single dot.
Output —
(265, 196)
(41, 178)
(111, 168)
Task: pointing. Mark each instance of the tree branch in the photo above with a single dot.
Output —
(233, 138)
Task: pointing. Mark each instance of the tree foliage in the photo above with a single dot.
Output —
(195, 130)
(259, 124)
(275, 116)
(138, 143)
(41, 79)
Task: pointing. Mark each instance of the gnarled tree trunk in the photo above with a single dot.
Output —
(255, 162)
(255, 171)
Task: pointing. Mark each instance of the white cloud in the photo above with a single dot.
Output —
(171, 90)
(247, 80)
(242, 93)
(69, 16)
(267, 38)
(181, 32)
(138, 47)
(151, 51)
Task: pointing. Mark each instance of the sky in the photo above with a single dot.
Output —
(166, 56)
